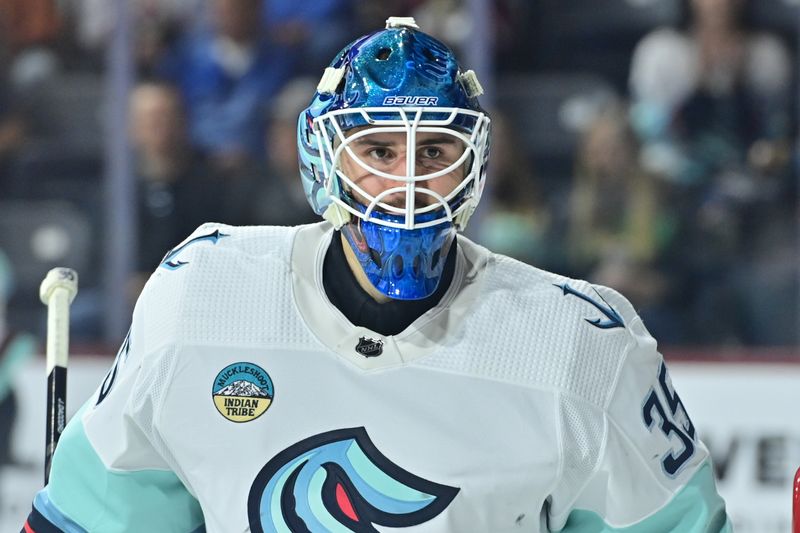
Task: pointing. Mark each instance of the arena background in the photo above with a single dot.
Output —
(648, 145)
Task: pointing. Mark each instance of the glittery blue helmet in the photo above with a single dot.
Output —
(393, 151)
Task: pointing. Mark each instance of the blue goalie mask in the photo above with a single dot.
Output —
(393, 151)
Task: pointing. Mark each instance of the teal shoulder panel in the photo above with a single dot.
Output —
(86, 493)
(46, 508)
(21, 348)
(697, 508)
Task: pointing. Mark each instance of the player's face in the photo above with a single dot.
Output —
(388, 152)
(716, 11)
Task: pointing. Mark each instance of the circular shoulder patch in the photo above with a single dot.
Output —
(242, 392)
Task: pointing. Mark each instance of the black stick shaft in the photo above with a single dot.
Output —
(56, 414)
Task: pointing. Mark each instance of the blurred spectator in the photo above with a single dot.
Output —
(371, 15)
(317, 28)
(269, 191)
(175, 190)
(518, 221)
(713, 95)
(228, 75)
(712, 105)
(12, 134)
(30, 28)
(767, 280)
(452, 22)
(620, 234)
(448, 20)
(28, 23)
(157, 24)
(15, 348)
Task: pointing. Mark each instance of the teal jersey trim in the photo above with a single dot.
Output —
(22, 347)
(88, 495)
(697, 508)
(46, 508)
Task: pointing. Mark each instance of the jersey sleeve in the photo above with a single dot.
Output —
(636, 463)
(110, 471)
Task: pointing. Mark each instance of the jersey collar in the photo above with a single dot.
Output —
(362, 346)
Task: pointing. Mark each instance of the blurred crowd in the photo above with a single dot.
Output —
(650, 146)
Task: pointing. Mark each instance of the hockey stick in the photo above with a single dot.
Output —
(57, 291)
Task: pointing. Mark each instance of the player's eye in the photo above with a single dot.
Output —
(379, 153)
(431, 152)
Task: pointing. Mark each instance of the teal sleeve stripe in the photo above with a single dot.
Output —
(53, 515)
(697, 508)
(83, 491)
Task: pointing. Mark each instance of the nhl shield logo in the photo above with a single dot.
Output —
(369, 347)
(242, 392)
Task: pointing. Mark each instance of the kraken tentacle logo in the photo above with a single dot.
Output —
(340, 482)
(613, 319)
(169, 261)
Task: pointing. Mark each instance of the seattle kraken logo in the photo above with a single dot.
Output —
(340, 482)
(614, 320)
(169, 260)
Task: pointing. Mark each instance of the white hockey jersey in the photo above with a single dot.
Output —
(243, 400)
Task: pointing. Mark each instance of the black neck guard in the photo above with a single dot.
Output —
(361, 309)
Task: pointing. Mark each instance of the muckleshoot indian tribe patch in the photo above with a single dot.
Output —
(242, 392)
